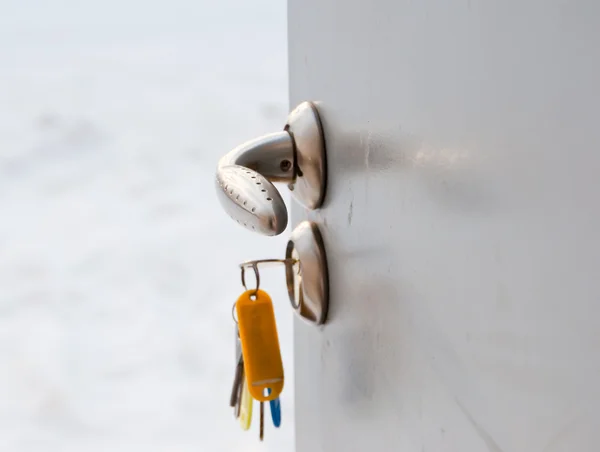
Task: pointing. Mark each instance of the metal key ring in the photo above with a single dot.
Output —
(289, 261)
(256, 274)
(233, 313)
(254, 264)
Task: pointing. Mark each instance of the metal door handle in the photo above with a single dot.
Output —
(295, 156)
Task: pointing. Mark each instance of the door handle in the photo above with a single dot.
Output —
(295, 156)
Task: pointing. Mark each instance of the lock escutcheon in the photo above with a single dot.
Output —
(308, 288)
(306, 273)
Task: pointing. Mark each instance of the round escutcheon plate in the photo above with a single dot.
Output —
(308, 280)
(304, 124)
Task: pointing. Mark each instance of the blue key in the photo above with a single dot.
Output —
(275, 406)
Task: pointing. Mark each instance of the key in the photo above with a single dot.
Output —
(262, 421)
(239, 369)
(275, 406)
(260, 345)
(238, 343)
(246, 407)
(238, 405)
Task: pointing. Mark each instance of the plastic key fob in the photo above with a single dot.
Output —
(260, 345)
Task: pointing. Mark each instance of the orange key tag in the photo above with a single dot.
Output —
(260, 345)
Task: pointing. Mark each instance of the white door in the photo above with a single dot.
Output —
(462, 225)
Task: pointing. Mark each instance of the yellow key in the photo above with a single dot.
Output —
(246, 408)
(260, 345)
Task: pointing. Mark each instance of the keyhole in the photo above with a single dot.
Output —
(285, 165)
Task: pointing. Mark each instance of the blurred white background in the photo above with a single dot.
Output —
(118, 269)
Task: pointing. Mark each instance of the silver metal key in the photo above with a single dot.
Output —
(236, 388)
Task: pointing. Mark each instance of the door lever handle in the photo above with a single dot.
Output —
(295, 156)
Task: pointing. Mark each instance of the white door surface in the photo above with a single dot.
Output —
(462, 225)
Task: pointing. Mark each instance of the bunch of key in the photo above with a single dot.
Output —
(259, 368)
